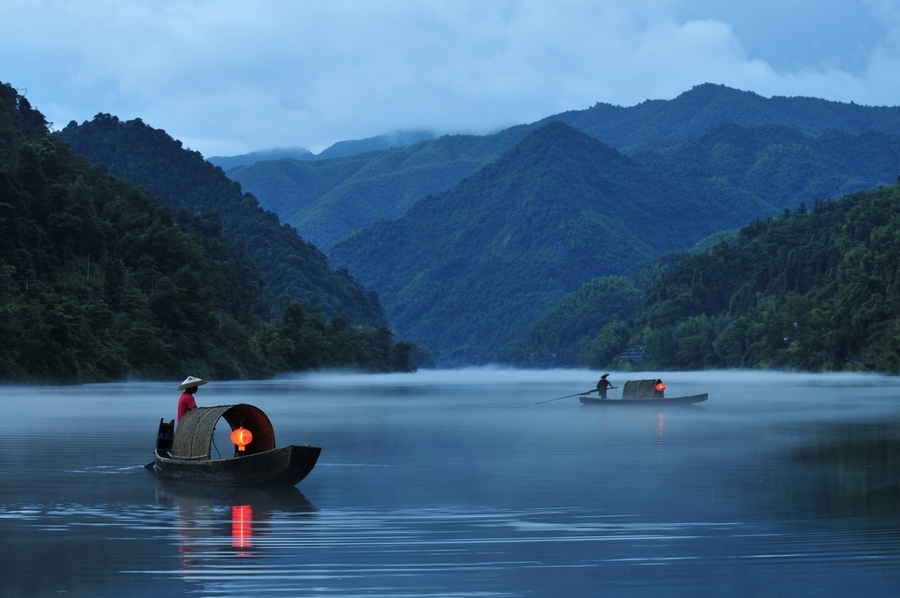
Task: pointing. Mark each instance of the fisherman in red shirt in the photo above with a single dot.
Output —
(186, 400)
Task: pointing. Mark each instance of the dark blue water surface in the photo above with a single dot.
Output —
(455, 483)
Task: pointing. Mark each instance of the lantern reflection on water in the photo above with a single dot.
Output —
(242, 526)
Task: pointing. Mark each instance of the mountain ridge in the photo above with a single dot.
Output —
(386, 183)
(523, 230)
(294, 269)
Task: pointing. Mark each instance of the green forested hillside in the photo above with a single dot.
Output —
(760, 170)
(279, 153)
(372, 144)
(558, 337)
(722, 142)
(562, 336)
(329, 199)
(100, 281)
(466, 271)
(736, 155)
(695, 111)
(293, 268)
(818, 289)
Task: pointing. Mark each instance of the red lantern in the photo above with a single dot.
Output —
(241, 437)
(660, 386)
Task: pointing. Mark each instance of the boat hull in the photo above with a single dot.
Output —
(687, 400)
(285, 466)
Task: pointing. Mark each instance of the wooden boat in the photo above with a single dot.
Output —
(650, 393)
(686, 400)
(185, 453)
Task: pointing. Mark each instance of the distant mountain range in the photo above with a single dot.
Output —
(465, 270)
(704, 106)
(329, 199)
(341, 148)
(469, 239)
(266, 155)
(293, 269)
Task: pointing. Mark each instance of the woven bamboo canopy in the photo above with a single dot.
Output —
(642, 389)
(194, 435)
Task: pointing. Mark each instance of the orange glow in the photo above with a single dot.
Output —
(241, 437)
(242, 526)
(660, 387)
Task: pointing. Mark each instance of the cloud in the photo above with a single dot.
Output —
(228, 77)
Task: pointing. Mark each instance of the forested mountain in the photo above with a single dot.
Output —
(720, 141)
(762, 169)
(99, 280)
(566, 334)
(736, 155)
(467, 270)
(294, 269)
(329, 199)
(372, 144)
(697, 110)
(339, 149)
(278, 153)
(817, 289)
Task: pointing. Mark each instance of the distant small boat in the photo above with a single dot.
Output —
(185, 453)
(649, 393)
(687, 400)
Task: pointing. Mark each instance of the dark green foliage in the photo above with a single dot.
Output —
(101, 281)
(371, 144)
(695, 111)
(466, 271)
(294, 270)
(567, 333)
(559, 336)
(815, 290)
(725, 157)
(329, 199)
(226, 162)
(606, 346)
(719, 142)
(757, 171)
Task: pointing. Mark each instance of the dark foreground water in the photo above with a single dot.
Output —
(456, 484)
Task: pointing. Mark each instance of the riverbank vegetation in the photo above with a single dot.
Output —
(100, 280)
(817, 289)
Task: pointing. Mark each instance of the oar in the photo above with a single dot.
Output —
(150, 465)
(567, 396)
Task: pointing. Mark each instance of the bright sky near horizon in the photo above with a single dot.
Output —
(228, 77)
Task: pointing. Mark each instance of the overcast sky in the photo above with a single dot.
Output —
(228, 77)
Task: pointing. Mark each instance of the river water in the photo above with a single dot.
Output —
(456, 483)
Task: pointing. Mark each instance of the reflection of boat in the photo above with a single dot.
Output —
(184, 453)
(644, 392)
(263, 499)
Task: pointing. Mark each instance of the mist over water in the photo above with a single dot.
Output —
(456, 483)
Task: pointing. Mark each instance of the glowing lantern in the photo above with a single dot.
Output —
(241, 437)
(660, 386)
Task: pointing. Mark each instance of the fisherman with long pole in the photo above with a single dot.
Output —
(602, 385)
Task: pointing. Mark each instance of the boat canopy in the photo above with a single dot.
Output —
(194, 435)
(642, 389)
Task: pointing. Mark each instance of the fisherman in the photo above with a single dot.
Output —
(186, 400)
(603, 384)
